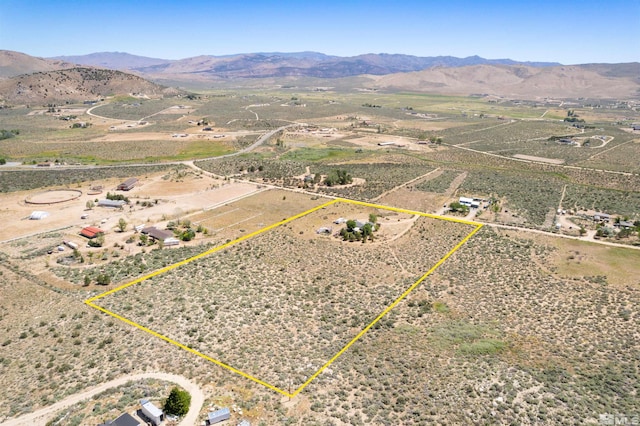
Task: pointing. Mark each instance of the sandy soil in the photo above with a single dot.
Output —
(539, 159)
(188, 195)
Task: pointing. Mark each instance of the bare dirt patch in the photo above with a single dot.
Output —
(539, 159)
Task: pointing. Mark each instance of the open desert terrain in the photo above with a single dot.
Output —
(306, 254)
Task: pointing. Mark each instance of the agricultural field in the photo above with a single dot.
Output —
(521, 325)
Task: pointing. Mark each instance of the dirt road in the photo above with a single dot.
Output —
(41, 416)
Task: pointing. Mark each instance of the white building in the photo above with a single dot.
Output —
(469, 202)
(38, 215)
(153, 413)
(218, 416)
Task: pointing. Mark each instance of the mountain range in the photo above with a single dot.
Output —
(276, 64)
(27, 79)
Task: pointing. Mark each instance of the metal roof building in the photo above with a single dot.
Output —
(91, 232)
(218, 416)
(111, 203)
(128, 184)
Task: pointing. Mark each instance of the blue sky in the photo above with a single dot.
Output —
(569, 32)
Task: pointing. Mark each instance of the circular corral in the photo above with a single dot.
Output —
(54, 196)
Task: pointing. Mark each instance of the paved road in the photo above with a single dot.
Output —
(41, 416)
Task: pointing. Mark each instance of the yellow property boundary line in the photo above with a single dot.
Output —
(90, 301)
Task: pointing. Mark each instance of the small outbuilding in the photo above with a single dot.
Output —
(38, 215)
(218, 416)
(151, 412)
(91, 232)
(171, 241)
(128, 184)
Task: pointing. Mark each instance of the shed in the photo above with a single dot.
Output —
(218, 416)
(151, 412)
(91, 232)
(38, 215)
(111, 203)
(172, 241)
(128, 184)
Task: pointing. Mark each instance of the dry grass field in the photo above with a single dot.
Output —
(297, 295)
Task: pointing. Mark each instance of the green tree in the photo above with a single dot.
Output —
(97, 241)
(122, 224)
(178, 402)
(187, 235)
(90, 204)
(457, 207)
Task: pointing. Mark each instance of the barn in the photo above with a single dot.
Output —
(128, 184)
(91, 232)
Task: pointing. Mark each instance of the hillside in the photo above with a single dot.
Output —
(75, 84)
(16, 63)
(574, 81)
